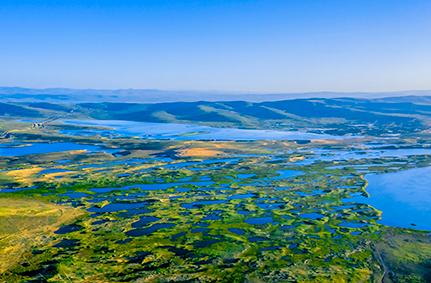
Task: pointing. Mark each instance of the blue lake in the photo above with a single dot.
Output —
(259, 220)
(404, 197)
(189, 131)
(40, 148)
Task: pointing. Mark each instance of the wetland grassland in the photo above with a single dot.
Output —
(84, 206)
(25, 224)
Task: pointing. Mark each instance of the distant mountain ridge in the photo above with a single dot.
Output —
(333, 115)
(67, 95)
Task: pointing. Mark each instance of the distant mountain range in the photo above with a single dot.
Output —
(329, 115)
(65, 95)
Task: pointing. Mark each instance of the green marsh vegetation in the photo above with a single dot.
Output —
(168, 210)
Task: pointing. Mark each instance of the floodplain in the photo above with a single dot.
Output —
(114, 206)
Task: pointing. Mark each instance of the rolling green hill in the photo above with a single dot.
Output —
(338, 115)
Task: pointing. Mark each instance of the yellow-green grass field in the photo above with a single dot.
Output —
(26, 223)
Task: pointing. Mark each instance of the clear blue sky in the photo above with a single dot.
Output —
(260, 45)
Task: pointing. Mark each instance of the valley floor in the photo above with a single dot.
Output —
(117, 208)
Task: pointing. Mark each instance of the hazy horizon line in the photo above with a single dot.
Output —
(218, 91)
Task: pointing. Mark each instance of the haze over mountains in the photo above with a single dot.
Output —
(64, 95)
(340, 114)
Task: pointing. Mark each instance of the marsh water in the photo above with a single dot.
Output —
(403, 197)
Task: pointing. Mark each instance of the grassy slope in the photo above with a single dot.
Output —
(25, 223)
(406, 256)
(313, 112)
(298, 113)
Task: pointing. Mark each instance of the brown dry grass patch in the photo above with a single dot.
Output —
(199, 152)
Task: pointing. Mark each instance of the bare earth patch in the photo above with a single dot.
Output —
(199, 151)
